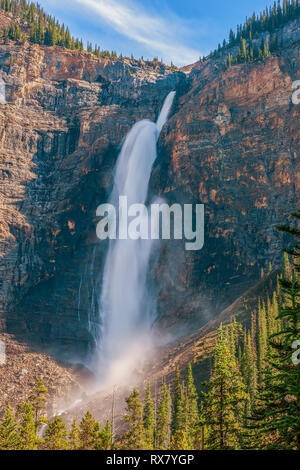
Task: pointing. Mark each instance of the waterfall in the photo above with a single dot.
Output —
(125, 309)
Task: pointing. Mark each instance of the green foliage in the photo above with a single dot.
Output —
(104, 441)
(252, 399)
(265, 25)
(40, 28)
(38, 400)
(179, 405)
(192, 414)
(250, 365)
(9, 436)
(135, 436)
(201, 430)
(56, 435)
(19, 432)
(149, 418)
(89, 432)
(74, 436)
(179, 441)
(27, 431)
(277, 412)
(43, 29)
(89, 436)
(223, 409)
(163, 418)
(262, 337)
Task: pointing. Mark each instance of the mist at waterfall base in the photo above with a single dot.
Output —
(127, 309)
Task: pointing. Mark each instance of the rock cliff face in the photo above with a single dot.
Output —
(231, 143)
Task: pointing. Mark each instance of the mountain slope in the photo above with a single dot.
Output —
(231, 143)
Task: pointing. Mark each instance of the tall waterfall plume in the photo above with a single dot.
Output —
(126, 311)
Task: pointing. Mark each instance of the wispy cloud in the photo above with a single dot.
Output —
(160, 36)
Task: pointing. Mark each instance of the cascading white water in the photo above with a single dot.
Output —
(126, 312)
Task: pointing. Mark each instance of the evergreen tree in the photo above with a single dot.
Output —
(234, 333)
(192, 414)
(27, 435)
(149, 418)
(243, 50)
(287, 268)
(38, 400)
(56, 435)
(201, 429)
(89, 432)
(262, 337)
(44, 29)
(179, 405)
(250, 367)
(9, 437)
(134, 438)
(39, 27)
(229, 60)
(231, 37)
(277, 414)
(68, 40)
(179, 441)
(74, 436)
(163, 418)
(105, 438)
(224, 401)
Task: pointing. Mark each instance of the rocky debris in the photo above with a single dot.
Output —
(21, 367)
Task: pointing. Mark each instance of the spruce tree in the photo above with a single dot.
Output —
(134, 438)
(149, 418)
(179, 441)
(201, 429)
(192, 413)
(178, 409)
(262, 335)
(56, 434)
(9, 436)
(105, 438)
(27, 434)
(89, 432)
(38, 400)
(250, 368)
(224, 401)
(74, 436)
(163, 418)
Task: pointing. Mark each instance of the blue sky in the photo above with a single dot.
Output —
(174, 30)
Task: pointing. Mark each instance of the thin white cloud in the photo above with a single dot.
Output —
(161, 37)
